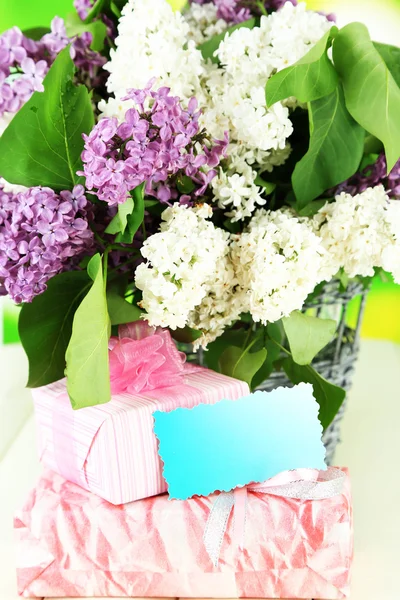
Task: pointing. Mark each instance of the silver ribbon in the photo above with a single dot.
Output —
(327, 485)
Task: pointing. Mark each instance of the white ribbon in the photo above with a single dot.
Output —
(312, 486)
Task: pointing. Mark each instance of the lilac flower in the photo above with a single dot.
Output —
(204, 179)
(83, 7)
(32, 80)
(25, 62)
(11, 47)
(371, 176)
(87, 60)
(237, 11)
(57, 39)
(40, 233)
(156, 146)
(22, 70)
(231, 11)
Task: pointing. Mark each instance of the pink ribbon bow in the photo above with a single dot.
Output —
(144, 358)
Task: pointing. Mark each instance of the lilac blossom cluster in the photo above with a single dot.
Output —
(83, 7)
(25, 62)
(40, 234)
(22, 70)
(237, 11)
(371, 176)
(159, 146)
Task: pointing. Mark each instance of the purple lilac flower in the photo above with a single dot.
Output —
(231, 11)
(237, 11)
(25, 62)
(57, 39)
(371, 176)
(157, 145)
(83, 7)
(86, 60)
(40, 233)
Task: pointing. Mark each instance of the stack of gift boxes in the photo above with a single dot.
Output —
(100, 522)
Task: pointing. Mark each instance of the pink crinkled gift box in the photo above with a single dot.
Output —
(72, 543)
(111, 449)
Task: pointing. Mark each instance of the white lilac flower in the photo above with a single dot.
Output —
(152, 42)
(221, 306)
(360, 232)
(248, 58)
(182, 260)
(237, 192)
(235, 187)
(204, 22)
(278, 264)
(235, 91)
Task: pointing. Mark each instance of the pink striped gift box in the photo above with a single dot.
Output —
(111, 449)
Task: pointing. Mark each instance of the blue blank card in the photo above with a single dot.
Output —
(232, 443)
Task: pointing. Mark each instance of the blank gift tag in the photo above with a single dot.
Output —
(232, 443)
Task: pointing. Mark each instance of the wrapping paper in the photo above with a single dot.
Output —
(72, 543)
(111, 449)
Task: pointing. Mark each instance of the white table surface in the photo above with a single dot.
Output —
(370, 448)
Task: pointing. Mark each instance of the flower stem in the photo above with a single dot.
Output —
(281, 347)
(105, 267)
(131, 260)
(262, 8)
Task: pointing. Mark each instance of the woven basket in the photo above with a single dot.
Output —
(336, 362)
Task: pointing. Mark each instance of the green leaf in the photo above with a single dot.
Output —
(120, 221)
(151, 203)
(240, 363)
(120, 310)
(368, 160)
(311, 78)
(98, 7)
(275, 331)
(185, 184)
(43, 143)
(135, 218)
(312, 208)
(391, 56)
(75, 26)
(372, 145)
(45, 326)
(115, 10)
(230, 337)
(307, 335)
(36, 33)
(344, 280)
(372, 95)
(330, 397)
(88, 376)
(335, 150)
(267, 185)
(273, 340)
(187, 335)
(210, 46)
(273, 353)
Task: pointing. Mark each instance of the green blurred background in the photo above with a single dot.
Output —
(382, 319)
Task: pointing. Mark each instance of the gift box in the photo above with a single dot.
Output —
(72, 543)
(111, 449)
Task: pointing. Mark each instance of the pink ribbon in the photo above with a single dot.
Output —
(301, 484)
(144, 358)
